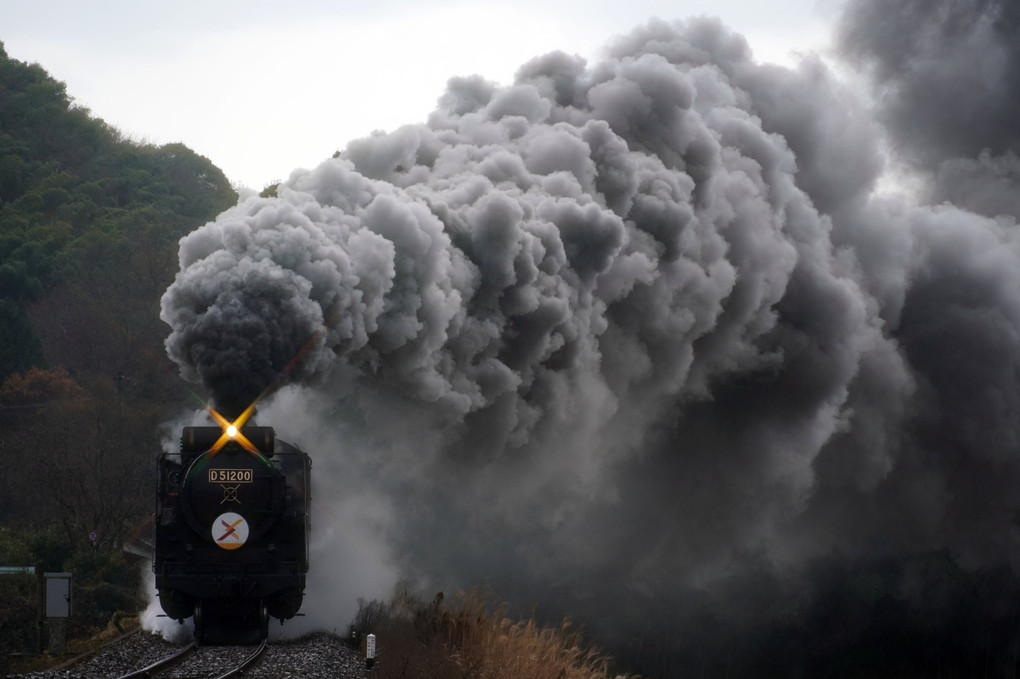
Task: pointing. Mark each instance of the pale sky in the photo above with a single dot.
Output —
(262, 88)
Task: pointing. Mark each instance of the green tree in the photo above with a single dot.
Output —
(89, 226)
(72, 188)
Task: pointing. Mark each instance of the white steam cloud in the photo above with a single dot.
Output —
(633, 336)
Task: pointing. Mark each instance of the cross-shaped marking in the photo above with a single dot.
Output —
(230, 495)
(231, 529)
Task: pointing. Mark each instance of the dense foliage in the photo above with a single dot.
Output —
(89, 224)
(79, 204)
(106, 586)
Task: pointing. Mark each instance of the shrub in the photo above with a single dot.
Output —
(467, 639)
(104, 584)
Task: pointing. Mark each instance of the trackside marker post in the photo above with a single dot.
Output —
(369, 651)
(58, 609)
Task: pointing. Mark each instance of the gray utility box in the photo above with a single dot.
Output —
(58, 595)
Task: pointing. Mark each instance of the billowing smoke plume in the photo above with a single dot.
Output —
(640, 342)
(947, 78)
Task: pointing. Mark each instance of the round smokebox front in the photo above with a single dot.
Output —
(231, 497)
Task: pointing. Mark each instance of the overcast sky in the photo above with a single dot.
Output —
(261, 90)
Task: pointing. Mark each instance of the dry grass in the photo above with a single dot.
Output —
(78, 648)
(469, 640)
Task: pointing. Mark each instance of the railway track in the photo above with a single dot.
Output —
(201, 660)
(319, 655)
(162, 663)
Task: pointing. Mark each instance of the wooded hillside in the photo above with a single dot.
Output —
(89, 224)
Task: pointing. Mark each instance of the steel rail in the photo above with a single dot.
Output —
(162, 663)
(247, 662)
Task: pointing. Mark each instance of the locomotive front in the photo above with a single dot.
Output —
(231, 544)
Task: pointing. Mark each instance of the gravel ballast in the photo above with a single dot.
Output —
(316, 656)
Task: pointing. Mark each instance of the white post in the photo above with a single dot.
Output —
(58, 609)
(369, 651)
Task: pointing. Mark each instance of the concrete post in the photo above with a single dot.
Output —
(370, 651)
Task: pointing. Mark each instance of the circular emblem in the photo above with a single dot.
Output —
(230, 530)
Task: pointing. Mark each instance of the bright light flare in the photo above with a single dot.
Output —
(232, 431)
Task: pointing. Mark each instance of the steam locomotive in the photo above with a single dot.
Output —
(231, 533)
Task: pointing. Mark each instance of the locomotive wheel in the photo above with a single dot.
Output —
(176, 604)
(199, 623)
(286, 603)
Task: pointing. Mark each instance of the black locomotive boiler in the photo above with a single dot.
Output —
(231, 534)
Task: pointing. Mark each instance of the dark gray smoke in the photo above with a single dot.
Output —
(947, 81)
(640, 341)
